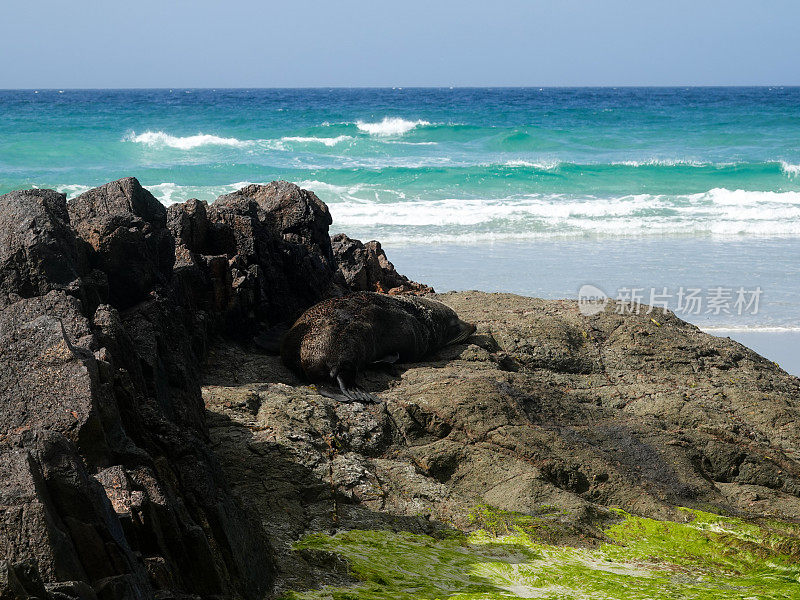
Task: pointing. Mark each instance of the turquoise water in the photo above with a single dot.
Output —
(445, 165)
(528, 190)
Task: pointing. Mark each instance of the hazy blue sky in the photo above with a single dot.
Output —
(248, 43)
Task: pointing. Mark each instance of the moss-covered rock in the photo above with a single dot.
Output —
(708, 557)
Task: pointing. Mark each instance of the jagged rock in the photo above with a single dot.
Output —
(175, 503)
(189, 224)
(300, 217)
(109, 303)
(366, 268)
(21, 581)
(59, 419)
(58, 517)
(126, 228)
(110, 480)
(70, 590)
(48, 376)
(202, 281)
(125, 402)
(38, 249)
(278, 247)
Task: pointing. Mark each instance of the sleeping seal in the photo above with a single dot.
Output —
(333, 340)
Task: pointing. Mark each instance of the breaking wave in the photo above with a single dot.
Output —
(790, 169)
(541, 166)
(327, 141)
(390, 126)
(190, 142)
(717, 213)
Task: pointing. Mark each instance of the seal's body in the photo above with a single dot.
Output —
(337, 338)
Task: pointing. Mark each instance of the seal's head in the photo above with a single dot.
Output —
(458, 330)
(447, 327)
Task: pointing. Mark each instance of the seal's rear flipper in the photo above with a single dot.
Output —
(365, 396)
(329, 392)
(355, 393)
(270, 339)
(352, 395)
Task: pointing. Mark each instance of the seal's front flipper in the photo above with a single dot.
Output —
(390, 359)
(270, 339)
(355, 393)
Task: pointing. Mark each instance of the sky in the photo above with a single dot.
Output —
(303, 43)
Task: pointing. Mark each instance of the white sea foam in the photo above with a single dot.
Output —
(716, 213)
(723, 196)
(719, 212)
(317, 140)
(707, 206)
(662, 162)
(402, 143)
(72, 190)
(543, 165)
(390, 126)
(172, 193)
(532, 216)
(167, 192)
(404, 162)
(653, 162)
(358, 193)
(319, 187)
(190, 142)
(790, 169)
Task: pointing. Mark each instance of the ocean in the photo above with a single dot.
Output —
(650, 193)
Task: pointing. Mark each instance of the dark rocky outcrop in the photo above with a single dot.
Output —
(365, 267)
(21, 581)
(279, 263)
(260, 255)
(126, 228)
(109, 303)
(38, 249)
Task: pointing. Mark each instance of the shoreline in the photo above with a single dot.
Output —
(557, 269)
(777, 346)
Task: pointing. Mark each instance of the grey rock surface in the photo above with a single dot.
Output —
(543, 407)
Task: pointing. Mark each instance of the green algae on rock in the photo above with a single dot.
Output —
(708, 557)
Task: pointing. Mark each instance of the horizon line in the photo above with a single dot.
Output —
(400, 87)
